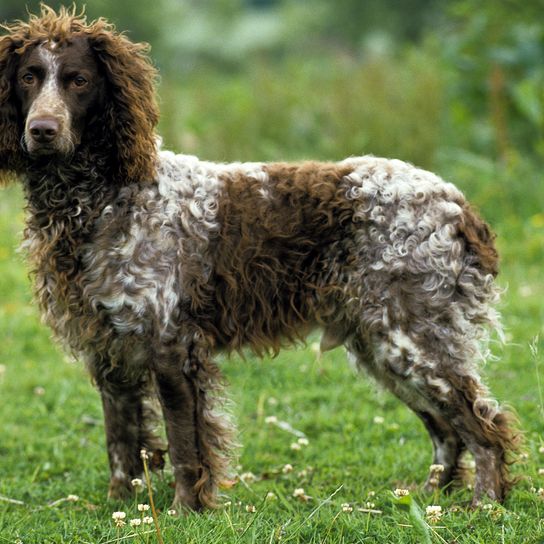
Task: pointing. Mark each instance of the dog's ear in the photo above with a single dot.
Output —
(131, 109)
(10, 130)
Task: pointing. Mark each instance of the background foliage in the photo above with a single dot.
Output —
(453, 86)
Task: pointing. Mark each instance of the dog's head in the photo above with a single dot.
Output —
(65, 83)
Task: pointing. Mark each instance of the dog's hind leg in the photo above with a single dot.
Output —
(435, 379)
(188, 383)
(447, 444)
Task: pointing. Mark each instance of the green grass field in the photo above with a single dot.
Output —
(362, 443)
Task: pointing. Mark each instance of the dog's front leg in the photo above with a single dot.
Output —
(122, 418)
(199, 439)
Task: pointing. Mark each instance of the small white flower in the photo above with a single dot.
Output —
(248, 477)
(434, 513)
(436, 468)
(303, 441)
(270, 419)
(401, 492)
(346, 507)
(273, 401)
(148, 520)
(143, 507)
(541, 449)
(298, 492)
(540, 492)
(287, 468)
(119, 518)
(171, 512)
(250, 508)
(227, 504)
(144, 455)
(270, 496)
(371, 494)
(379, 420)
(487, 506)
(72, 498)
(541, 471)
(295, 446)
(370, 505)
(135, 522)
(137, 483)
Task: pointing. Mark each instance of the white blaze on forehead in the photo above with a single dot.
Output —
(49, 101)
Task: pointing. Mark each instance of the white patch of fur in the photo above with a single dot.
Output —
(137, 280)
(50, 102)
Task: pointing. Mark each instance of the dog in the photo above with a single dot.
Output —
(147, 263)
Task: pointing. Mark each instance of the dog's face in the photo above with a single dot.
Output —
(68, 85)
(58, 86)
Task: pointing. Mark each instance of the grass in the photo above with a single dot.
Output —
(362, 443)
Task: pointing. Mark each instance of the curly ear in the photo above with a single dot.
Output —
(131, 109)
(10, 130)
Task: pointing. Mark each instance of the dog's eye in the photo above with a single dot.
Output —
(79, 81)
(28, 78)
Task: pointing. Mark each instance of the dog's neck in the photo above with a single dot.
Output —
(72, 190)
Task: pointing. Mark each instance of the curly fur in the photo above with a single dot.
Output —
(145, 263)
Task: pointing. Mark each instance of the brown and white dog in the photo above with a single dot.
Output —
(146, 263)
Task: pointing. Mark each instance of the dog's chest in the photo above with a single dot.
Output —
(132, 274)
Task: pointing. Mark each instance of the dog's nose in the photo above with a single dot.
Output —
(43, 130)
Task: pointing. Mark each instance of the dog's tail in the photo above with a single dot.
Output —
(479, 241)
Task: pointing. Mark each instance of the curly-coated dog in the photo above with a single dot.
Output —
(146, 263)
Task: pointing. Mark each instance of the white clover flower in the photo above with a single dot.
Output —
(147, 520)
(248, 477)
(540, 492)
(137, 484)
(171, 512)
(434, 513)
(135, 522)
(487, 506)
(371, 494)
(119, 518)
(270, 419)
(250, 508)
(295, 446)
(378, 420)
(541, 449)
(370, 505)
(287, 468)
(303, 441)
(270, 496)
(436, 468)
(143, 507)
(299, 492)
(541, 471)
(346, 507)
(72, 498)
(401, 492)
(144, 455)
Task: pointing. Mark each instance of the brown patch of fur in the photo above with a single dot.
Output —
(272, 252)
(479, 240)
